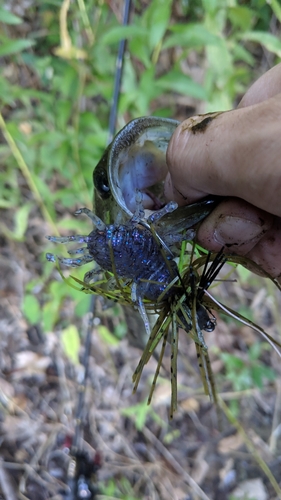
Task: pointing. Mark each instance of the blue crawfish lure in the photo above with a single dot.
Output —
(134, 252)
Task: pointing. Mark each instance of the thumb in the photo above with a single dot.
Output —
(188, 159)
(236, 153)
(205, 152)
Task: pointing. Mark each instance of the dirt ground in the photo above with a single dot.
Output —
(148, 456)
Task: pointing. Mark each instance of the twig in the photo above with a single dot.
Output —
(6, 485)
(275, 429)
(26, 173)
(86, 21)
(176, 466)
(250, 447)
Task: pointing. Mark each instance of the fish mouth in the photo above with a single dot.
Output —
(137, 162)
(143, 168)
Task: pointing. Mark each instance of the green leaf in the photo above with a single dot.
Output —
(121, 32)
(259, 373)
(129, 79)
(139, 413)
(82, 305)
(241, 17)
(6, 96)
(71, 343)
(7, 17)
(63, 112)
(21, 221)
(158, 16)
(51, 312)
(270, 42)
(6, 203)
(67, 84)
(241, 54)
(107, 336)
(275, 5)
(31, 309)
(220, 62)
(219, 101)
(191, 36)
(139, 48)
(210, 6)
(13, 46)
(244, 274)
(176, 81)
(255, 351)
(232, 362)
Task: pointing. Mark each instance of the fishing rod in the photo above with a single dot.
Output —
(78, 433)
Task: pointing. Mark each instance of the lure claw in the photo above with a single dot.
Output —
(91, 275)
(50, 257)
(167, 209)
(69, 262)
(66, 239)
(80, 251)
(94, 218)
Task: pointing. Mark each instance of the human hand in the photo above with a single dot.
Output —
(236, 154)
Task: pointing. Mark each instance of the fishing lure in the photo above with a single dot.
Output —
(135, 251)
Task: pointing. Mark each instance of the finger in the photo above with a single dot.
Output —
(181, 196)
(235, 225)
(267, 251)
(235, 151)
(267, 86)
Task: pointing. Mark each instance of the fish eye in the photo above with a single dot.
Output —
(105, 188)
(101, 183)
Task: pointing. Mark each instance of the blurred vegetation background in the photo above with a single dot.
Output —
(56, 85)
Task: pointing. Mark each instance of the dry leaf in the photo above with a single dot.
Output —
(230, 443)
(25, 128)
(253, 488)
(29, 363)
(262, 447)
(201, 467)
(162, 394)
(190, 404)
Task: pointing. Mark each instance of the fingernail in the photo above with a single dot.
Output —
(231, 230)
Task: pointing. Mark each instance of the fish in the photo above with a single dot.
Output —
(139, 243)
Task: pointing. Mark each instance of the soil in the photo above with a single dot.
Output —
(45, 427)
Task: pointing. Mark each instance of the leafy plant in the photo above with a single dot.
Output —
(247, 372)
(56, 86)
(140, 412)
(122, 491)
